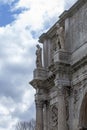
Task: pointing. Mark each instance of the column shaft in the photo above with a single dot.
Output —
(62, 124)
(46, 116)
(39, 115)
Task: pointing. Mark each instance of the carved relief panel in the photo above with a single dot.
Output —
(53, 117)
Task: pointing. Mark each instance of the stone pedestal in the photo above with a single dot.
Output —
(40, 73)
(62, 56)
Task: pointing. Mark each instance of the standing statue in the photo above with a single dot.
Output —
(38, 56)
(60, 37)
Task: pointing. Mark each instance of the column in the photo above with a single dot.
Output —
(39, 115)
(46, 115)
(62, 123)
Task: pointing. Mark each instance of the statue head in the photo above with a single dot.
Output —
(57, 25)
(37, 46)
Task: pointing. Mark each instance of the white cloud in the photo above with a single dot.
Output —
(3, 110)
(7, 123)
(7, 106)
(39, 11)
(17, 56)
(27, 100)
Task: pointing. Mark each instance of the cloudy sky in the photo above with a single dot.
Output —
(21, 23)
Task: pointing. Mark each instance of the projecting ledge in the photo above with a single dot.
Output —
(39, 75)
(36, 83)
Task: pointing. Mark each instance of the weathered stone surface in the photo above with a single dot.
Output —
(61, 82)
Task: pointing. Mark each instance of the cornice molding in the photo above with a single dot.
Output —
(61, 20)
(79, 64)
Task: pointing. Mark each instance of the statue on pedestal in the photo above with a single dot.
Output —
(59, 37)
(38, 56)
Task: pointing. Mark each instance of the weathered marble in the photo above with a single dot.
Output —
(61, 80)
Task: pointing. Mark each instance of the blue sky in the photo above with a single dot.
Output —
(21, 23)
(7, 15)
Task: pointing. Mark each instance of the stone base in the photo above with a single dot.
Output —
(61, 56)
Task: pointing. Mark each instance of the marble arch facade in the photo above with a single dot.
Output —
(61, 81)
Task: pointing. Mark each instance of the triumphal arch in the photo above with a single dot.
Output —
(60, 79)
